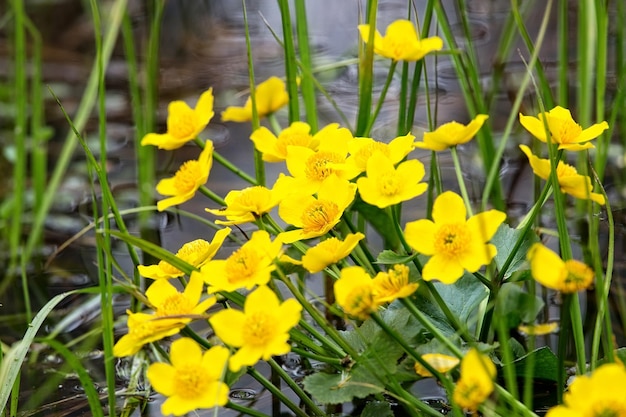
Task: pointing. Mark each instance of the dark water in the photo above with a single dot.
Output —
(203, 45)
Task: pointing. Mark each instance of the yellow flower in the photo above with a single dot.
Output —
(538, 329)
(168, 301)
(144, 328)
(361, 149)
(440, 362)
(270, 95)
(598, 395)
(189, 177)
(274, 149)
(196, 253)
(386, 185)
(250, 265)
(309, 168)
(563, 129)
(315, 216)
(476, 382)
(453, 243)
(401, 42)
(247, 205)
(193, 380)
(329, 251)
(393, 284)
(260, 331)
(551, 271)
(451, 134)
(183, 123)
(570, 181)
(170, 308)
(354, 292)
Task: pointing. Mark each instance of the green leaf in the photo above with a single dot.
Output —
(462, 298)
(505, 239)
(389, 257)
(516, 306)
(546, 364)
(377, 409)
(339, 388)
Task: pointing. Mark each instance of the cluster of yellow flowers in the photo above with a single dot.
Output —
(326, 171)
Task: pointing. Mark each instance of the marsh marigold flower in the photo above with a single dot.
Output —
(355, 293)
(260, 331)
(193, 380)
(476, 382)
(309, 169)
(170, 308)
(551, 271)
(361, 149)
(393, 284)
(329, 251)
(274, 148)
(600, 394)
(144, 328)
(270, 95)
(401, 42)
(386, 185)
(316, 216)
(183, 123)
(250, 265)
(438, 361)
(247, 205)
(538, 329)
(570, 181)
(451, 134)
(563, 129)
(453, 243)
(196, 253)
(186, 181)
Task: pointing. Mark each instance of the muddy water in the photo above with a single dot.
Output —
(203, 46)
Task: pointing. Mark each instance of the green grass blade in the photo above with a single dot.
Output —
(13, 360)
(290, 61)
(307, 85)
(366, 71)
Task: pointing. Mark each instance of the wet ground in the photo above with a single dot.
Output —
(203, 46)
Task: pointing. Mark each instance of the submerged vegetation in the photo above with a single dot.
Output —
(348, 246)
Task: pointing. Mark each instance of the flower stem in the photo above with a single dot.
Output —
(274, 123)
(276, 392)
(459, 177)
(219, 200)
(381, 100)
(245, 411)
(310, 405)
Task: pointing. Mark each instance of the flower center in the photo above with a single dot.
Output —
(191, 381)
(360, 302)
(194, 252)
(579, 275)
(259, 329)
(389, 184)
(318, 216)
(452, 239)
(319, 166)
(394, 280)
(609, 408)
(187, 175)
(242, 264)
(174, 305)
(183, 124)
(292, 138)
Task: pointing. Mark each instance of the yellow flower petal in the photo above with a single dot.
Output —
(270, 95)
(451, 134)
(440, 362)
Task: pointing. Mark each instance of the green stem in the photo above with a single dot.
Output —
(460, 180)
(366, 70)
(227, 164)
(245, 411)
(276, 392)
(213, 196)
(303, 396)
(381, 100)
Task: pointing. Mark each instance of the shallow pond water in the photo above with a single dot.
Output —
(203, 45)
